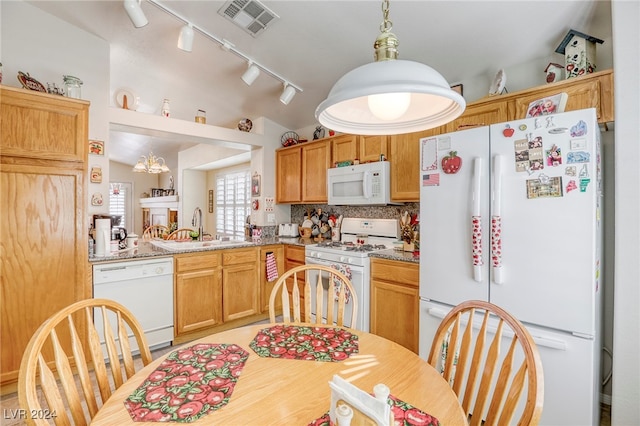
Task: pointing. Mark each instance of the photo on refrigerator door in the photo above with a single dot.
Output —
(544, 187)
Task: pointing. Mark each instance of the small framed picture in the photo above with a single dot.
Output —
(457, 88)
(96, 174)
(255, 185)
(96, 147)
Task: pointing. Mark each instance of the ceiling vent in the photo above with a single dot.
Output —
(250, 15)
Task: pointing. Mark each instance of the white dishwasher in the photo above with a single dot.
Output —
(145, 287)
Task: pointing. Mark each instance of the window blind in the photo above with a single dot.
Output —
(233, 203)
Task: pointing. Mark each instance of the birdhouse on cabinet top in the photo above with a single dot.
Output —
(579, 52)
(554, 72)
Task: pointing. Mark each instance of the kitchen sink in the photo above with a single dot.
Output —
(191, 245)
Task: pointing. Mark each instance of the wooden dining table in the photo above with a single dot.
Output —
(278, 391)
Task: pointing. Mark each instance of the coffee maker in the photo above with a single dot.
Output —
(118, 233)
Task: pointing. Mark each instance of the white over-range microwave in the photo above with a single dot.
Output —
(362, 184)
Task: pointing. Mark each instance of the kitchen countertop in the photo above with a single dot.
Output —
(391, 254)
(146, 249)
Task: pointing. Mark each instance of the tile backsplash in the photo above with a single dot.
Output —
(298, 211)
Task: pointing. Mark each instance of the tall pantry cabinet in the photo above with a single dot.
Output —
(43, 225)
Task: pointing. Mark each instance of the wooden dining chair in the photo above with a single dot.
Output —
(155, 231)
(308, 284)
(180, 234)
(466, 353)
(65, 361)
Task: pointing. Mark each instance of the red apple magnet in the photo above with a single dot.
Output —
(508, 131)
(451, 163)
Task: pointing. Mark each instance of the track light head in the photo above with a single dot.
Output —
(185, 40)
(251, 74)
(287, 94)
(135, 12)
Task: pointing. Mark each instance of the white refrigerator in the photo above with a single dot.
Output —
(511, 214)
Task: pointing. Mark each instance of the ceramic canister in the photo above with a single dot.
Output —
(132, 240)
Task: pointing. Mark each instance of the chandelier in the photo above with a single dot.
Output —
(151, 164)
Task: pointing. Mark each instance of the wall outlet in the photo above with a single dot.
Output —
(271, 218)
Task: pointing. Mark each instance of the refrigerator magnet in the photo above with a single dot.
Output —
(554, 156)
(584, 183)
(576, 144)
(429, 148)
(578, 157)
(571, 186)
(508, 131)
(570, 170)
(544, 187)
(432, 179)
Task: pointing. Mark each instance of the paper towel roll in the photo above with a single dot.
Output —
(103, 237)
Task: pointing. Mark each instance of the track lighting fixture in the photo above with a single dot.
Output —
(287, 94)
(185, 40)
(251, 74)
(134, 10)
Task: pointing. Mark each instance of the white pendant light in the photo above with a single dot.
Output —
(287, 94)
(251, 74)
(185, 40)
(389, 96)
(134, 10)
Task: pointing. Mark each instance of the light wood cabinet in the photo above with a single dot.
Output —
(267, 286)
(301, 172)
(588, 91)
(395, 301)
(289, 175)
(44, 224)
(372, 147)
(198, 291)
(343, 148)
(482, 114)
(240, 289)
(404, 159)
(316, 159)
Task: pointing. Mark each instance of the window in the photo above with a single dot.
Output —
(233, 203)
(120, 203)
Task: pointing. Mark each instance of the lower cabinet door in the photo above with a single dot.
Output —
(198, 300)
(239, 291)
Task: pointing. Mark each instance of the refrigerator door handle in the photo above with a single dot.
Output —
(476, 221)
(540, 341)
(496, 221)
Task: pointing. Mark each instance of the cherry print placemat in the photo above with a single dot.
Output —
(188, 384)
(305, 342)
(404, 414)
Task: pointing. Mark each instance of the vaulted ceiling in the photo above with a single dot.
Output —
(312, 44)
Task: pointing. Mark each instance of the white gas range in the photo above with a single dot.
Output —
(350, 255)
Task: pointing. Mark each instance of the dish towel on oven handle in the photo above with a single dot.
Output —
(272, 267)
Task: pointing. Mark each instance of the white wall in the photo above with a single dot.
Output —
(141, 182)
(625, 409)
(47, 48)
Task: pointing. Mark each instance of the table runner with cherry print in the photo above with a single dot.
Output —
(404, 414)
(329, 344)
(188, 384)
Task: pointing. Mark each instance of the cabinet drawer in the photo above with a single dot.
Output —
(239, 256)
(395, 271)
(294, 253)
(197, 261)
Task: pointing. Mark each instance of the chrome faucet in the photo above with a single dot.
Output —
(197, 219)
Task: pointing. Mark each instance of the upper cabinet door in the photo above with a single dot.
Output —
(37, 125)
(316, 159)
(483, 114)
(288, 172)
(372, 147)
(404, 159)
(344, 148)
